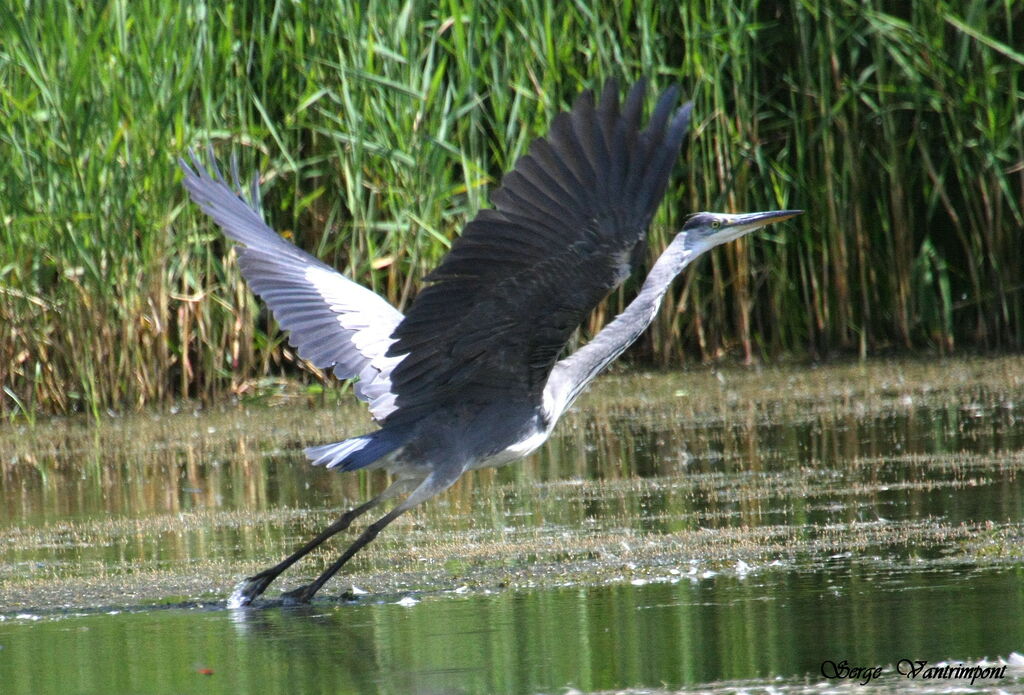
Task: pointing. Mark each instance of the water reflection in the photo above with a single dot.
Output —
(239, 459)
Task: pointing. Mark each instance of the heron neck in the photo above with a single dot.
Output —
(572, 375)
(670, 263)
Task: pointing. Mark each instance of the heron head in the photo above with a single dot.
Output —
(705, 230)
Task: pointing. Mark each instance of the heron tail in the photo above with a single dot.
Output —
(357, 452)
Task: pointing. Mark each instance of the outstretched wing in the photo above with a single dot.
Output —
(566, 226)
(333, 322)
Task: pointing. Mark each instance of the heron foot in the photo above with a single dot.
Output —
(302, 594)
(248, 589)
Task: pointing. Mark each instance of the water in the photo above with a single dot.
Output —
(525, 641)
(713, 533)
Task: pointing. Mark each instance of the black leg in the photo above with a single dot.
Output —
(255, 585)
(304, 593)
(433, 484)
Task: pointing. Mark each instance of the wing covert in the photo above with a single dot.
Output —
(565, 228)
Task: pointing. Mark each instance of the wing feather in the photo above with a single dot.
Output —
(333, 323)
(497, 311)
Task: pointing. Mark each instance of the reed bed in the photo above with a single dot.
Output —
(380, 127)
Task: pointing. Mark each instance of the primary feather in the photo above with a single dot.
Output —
(566, 225)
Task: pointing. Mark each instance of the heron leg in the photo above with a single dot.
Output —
(253, 586)
(431, 486)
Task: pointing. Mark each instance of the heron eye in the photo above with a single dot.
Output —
(716, 224)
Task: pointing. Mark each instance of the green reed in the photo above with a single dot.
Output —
(380, 127)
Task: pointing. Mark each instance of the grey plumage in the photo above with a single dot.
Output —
(550, 249)
(470, 376)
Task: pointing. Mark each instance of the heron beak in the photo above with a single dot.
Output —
(736, 225)
(748, 222)
(711, 229)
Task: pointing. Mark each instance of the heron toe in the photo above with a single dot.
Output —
(296, 596)
(248, 589)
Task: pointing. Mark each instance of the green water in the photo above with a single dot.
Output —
(708, 532)
(528, 641)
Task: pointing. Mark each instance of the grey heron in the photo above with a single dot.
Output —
(470, 377)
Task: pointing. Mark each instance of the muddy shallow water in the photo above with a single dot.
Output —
(713, 531)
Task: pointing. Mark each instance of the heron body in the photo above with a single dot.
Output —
(470, 377)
